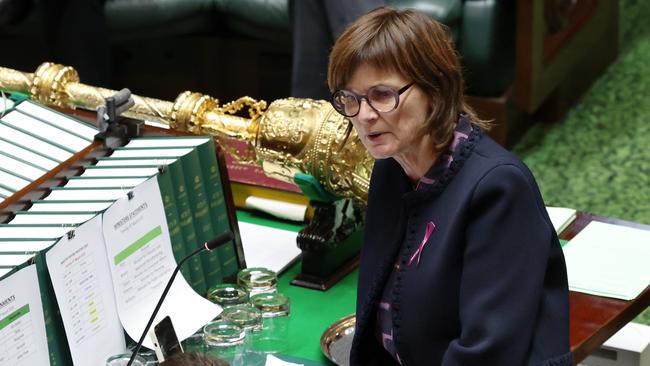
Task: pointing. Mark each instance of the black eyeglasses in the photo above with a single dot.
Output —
(381, 98)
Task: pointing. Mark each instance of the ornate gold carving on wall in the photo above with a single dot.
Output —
(291, 135)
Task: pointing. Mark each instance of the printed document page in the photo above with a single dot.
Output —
(23, 341)
(84, 291)
(609, 260)
(141, 262)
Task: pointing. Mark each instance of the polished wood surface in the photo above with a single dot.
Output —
(593, 319)
(40, 188)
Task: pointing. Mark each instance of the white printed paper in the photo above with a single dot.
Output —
(8, 231)
(6, 192)
(13, 182)
(608, 260)
(63, 122)
(147, 153)
(141, 262)
(27, 155)
(33, 143)
(268, 247)
(104, 182)
(71, 206)
(84, 291)
(46, 131)
(14, 259)
(120, 172)
(23, 341)
(28, 171)
(166, 143)
(81, 194)
(134, 161)
(24, 245)
(29, 218)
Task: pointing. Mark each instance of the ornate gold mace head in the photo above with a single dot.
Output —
(292, 135)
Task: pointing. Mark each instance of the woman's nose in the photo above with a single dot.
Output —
(366, 112)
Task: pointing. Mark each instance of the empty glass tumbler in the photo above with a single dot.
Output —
(275, 309)
(258, 280)
(245, 316)
(227, 294)
(224, 340)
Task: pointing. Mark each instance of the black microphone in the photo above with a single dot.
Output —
(209, 245)
(218, 241)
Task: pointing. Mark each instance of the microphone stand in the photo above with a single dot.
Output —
(212, 244)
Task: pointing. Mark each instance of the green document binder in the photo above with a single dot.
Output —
(213, 182)
(57, 343)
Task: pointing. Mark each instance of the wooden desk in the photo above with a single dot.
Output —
(594, 318)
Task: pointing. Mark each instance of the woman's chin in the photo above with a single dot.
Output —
(379, 153)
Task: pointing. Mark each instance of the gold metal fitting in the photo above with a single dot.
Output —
(49, 82)
(189, 109)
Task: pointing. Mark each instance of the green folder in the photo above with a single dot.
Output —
(214, 190)
(180, 231)
(57, 343)
(194, 189)
(175, 197)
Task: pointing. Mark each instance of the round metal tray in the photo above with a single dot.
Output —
(336, 340)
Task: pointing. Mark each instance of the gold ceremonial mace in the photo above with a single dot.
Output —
(291, 136)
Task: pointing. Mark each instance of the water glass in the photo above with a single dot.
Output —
(275, 309)
(227, 294)
(258, 280)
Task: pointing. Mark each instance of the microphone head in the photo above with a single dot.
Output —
(219, 240)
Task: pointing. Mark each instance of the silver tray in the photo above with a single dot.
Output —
(336, 340)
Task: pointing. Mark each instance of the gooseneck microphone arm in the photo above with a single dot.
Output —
(208, 246)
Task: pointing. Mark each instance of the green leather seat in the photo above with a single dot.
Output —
(484, 31)
(128, 19)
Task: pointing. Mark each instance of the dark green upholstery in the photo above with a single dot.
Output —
(128, 19)
(482, 29)
(484, 32)
(259, 19)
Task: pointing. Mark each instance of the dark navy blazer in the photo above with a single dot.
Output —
(491, 284)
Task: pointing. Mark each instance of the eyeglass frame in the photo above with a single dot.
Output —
(359, 98)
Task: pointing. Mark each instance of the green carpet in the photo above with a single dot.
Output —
(597, 159)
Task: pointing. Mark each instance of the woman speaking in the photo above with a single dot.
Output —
(460, 263)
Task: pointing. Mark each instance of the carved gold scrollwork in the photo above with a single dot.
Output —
(255, 108)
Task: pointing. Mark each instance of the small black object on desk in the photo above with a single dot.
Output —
(115, 130)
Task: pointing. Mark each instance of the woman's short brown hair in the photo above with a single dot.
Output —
(418, 48)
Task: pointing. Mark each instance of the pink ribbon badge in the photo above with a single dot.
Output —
(427, 233)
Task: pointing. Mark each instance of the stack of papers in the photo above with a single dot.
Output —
(561, 217)
(609, 260)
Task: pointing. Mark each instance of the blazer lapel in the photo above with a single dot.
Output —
(383, 236)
